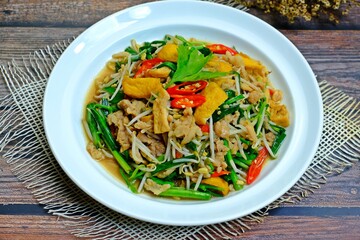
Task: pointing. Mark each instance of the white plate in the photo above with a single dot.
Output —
(85, 57)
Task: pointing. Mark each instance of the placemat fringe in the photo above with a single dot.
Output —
(209, 233)
(230, 3)
(9, 119)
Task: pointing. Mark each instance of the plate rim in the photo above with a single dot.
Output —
(152, 5)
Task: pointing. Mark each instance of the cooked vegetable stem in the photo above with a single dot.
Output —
(128, 182)
(185, 193)
(233, 175)
(93, 129)
(185, 118)
(107, 136)
(162, 182)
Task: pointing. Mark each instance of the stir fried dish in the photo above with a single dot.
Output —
(184, 118)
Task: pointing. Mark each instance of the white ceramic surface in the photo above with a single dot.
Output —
(86, 56)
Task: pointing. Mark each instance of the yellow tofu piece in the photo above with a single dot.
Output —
(219, 65)
(218, 182)
(252, 64)
(279, 114)
(215, 96)
(161, 123)
(168, 52)
(141, 87)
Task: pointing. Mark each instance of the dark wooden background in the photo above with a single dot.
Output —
(333, 51)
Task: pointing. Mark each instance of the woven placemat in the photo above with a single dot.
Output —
(24, 146)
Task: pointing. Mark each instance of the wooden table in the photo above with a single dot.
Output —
(333, 51)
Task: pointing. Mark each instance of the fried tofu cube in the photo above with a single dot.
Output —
(215, 96)
(279, 114)
(168, 52)
(253, 65)
(141, 87)
(161, 124)
(219, 65)
(250, 62)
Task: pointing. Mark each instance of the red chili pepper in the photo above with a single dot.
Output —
(146, 65)
(271, 91)
(178, 154)
(187, 88)
(256, 166)
(221, 49)
(188, 101)
(218, 174)
(177, 96)
(205, 128)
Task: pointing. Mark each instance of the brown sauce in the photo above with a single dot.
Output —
(109, 164)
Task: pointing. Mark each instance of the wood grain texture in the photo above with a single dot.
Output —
(334, 55)
(341, 190)
(273, 227)
(62, 13)
(299, 228)
(32, 227)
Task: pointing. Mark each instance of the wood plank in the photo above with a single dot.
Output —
(33, 227)
(25, 209)
(289, 211)
(60, 13)
(43, 227)
(340, 190)
(12, 190)
(17, 42)
(333, 55)
(305, 228)
(84, 13)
